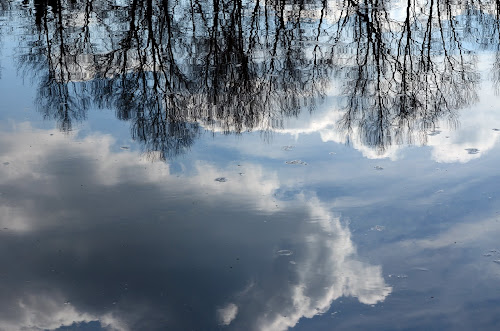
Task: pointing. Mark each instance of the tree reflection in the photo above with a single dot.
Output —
(5, 7)
(405, 74)
(174, 68)
(168, 67)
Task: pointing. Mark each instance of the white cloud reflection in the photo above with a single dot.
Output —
(32, 156)
(448, 143)
(49, 312)
(227, 314)
(324, 268)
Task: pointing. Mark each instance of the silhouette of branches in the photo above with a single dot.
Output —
(173, 69)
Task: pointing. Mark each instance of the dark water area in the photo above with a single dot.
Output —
(249, 165)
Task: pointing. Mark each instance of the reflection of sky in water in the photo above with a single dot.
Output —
(448, 142)
(305, 227)
(104, 234)
(127, 230)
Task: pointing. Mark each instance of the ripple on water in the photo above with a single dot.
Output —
(400, 276)
(378, 228)
(296, 162)
(472, 150)
(284, 252)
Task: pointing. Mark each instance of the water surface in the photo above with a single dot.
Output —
(242, 165)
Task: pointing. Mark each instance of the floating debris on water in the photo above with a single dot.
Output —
(495, 129)
(287, 148)
(400, 276)
(293, 262)
(284, 252)
(439, 191)
(296, 162)
(378, 228)
(378, 168)
(472, 150)
(6, 163)
(491, 252)
(221, 179)
(125, 147)
(332, 153)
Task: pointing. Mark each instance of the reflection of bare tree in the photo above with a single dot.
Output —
(230, 65)
(5, 7)
(172, 68)
(491, 36)
(54, 57)
(404, 75)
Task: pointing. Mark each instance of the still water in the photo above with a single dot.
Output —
(249, 165)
